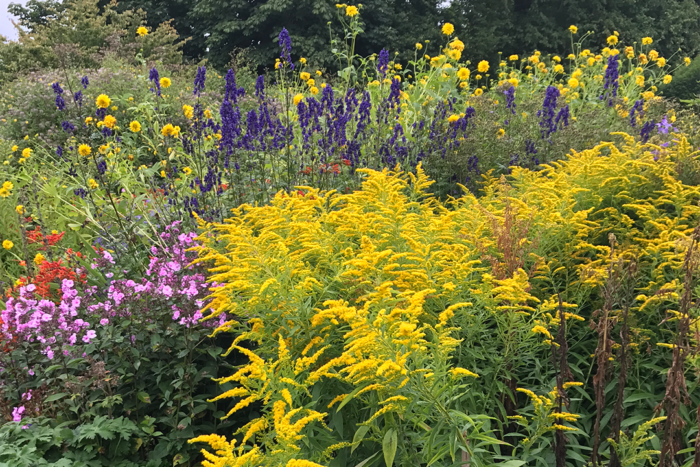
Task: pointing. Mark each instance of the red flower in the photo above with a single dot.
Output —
(346, 161)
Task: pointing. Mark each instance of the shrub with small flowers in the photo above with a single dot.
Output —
(114, 342)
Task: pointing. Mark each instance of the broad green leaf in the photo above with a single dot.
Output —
(389, 445)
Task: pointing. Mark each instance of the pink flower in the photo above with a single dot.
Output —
(104, 322)
(17, 414)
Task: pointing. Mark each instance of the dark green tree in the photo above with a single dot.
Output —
(161, 11)
(36, 12)
(255, 25)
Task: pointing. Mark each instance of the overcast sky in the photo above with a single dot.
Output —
(6, 28)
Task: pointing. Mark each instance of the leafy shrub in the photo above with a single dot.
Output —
(90, 354)
(387, 321)
(81, 35)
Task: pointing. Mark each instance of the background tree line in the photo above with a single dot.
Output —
(214, 29)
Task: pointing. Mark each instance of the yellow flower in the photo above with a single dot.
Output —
(573, 83)
(647, 40)
(448, 29)
(135, 126)
(458, 372)
(170, 130)
(500, 133)
(88, 120)
(103, 101)
(668, 79)
(478, 92)
(165, 83)
(483, 66)
(207, 114)
(39, 258)
(351, 11)
(558, 69)
(7, 244)
(298, 98)
(457, 45)
(571, 57)
(514, 82)
(455, 54)
(318, 73)
(302, 60)
(92, 184)
(20, 209)
(653, 55)
(188, 111)
(640, 81)
(419, 46)
(453, 118)
(612, 40)
(463, 74)
(311, 82)
(314, 90)
(304, 76)
(26, 152)
(14, 148)
(513, 58)
(643, 59)
(686, 60)
(142, 31)
(557, 58)
(84, 150)
(110, 122)
(647, 95)
(661, 62)
(573, 29)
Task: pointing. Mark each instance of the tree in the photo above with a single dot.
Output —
(36, 12)
(161, 11)
(255, 25)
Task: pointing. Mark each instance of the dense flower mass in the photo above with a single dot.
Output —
(399, 281)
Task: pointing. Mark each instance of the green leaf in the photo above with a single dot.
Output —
(359, 436)
(144, 397)
(511, 463)
(349, 397)
(367, 460)
(389, 445)
(56, 397)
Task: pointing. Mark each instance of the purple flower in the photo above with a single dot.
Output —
(664, 125)
(612, 83)
(60, 103)
(383, 62)
(547, 113)
(647, 128)
(199, 80)
(510, 98)
(85, 82)
(67, 126)
(636, 112)
(154, 77)
(285, 42)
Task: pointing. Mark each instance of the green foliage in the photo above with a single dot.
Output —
(685, 84)
(43, 442)
(81, 35)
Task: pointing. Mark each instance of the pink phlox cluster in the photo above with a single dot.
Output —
(170, 277)
(30, 319)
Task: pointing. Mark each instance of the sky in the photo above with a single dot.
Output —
(6, 28)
